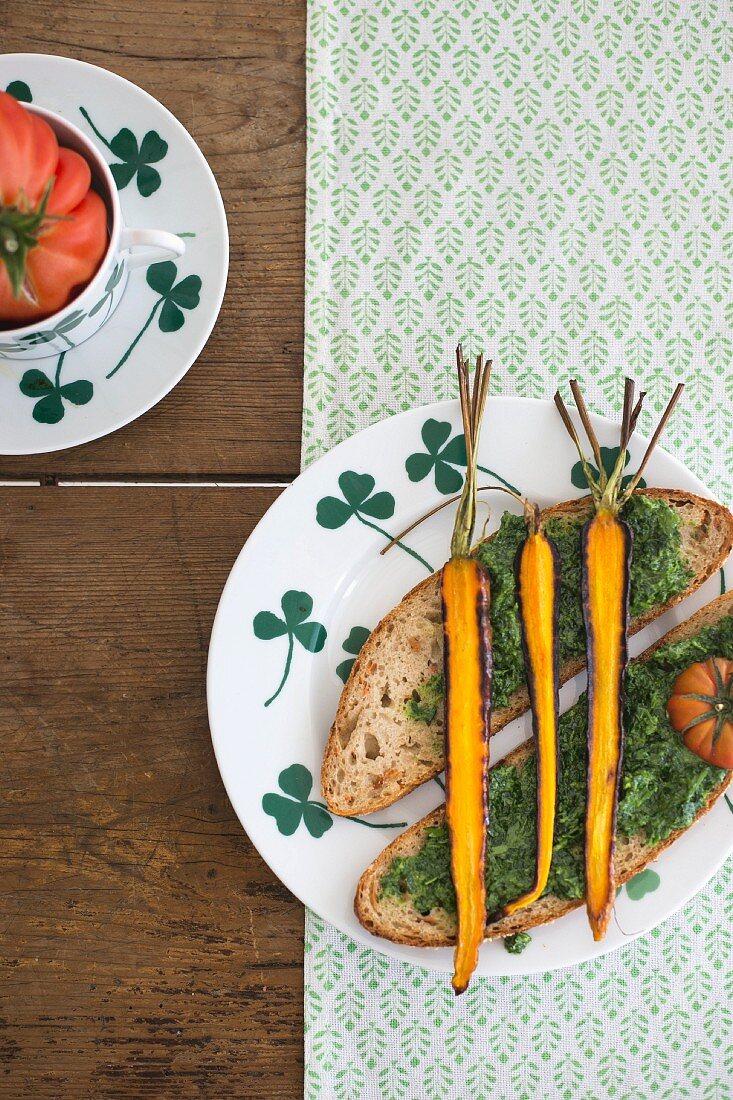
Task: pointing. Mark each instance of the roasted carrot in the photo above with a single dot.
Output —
(605, 568)
(606, 557)
(537, 577)
(465, 597)
(467, 664)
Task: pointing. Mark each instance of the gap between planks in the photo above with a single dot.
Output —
(67, 483)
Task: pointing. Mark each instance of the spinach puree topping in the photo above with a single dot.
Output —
(663, 786)
(423, 706)
(658, 572)
(516, 944)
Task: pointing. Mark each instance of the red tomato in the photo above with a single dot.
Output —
(47, 254)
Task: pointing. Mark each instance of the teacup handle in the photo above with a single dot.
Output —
(164, 246)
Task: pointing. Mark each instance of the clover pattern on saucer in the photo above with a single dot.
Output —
(153, 336)
(20, 90)
(134, 161)
(50, 395)
(173, 297)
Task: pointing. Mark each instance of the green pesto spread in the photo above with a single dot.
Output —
(425, 700)
(663, 787)
(516, 944)
(658, 572)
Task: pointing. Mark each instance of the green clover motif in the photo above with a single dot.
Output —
(439, 453)
(353, 644)
(646, 882)
(295, 625)
(174, 297)
(296, 783)
(609, 455)
(133, 160)
(358, 501)
(443, 454)
(20, 90)
(50, 395)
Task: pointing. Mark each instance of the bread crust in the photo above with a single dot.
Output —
(399, 921)
(352, 784)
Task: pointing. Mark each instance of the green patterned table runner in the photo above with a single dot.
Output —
(551, 182)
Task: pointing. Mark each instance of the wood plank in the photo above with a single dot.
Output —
(234, 76)
(146, 949)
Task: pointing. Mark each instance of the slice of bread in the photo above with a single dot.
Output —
(397, 919)
(376, 753)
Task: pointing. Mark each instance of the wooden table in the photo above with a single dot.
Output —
(146, 949)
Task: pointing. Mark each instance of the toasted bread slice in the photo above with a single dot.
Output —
(376, 753)
(398, 920)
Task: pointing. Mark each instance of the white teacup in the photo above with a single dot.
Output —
(87, 312)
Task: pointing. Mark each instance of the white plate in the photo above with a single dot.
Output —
(351, 585)
(186, 201)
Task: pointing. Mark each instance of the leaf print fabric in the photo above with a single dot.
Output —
(548, 181)
(551, 182)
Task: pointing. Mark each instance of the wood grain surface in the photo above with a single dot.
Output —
(145, 948)
(233, 72)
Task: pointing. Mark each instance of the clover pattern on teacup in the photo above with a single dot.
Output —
(20, 90)
(441, 456)
(59, 331)
(359, 501)
(295, 625)
(609, 457)
(174, 298)
(353, 644)
(109, 289)
(294, 805)
(49, 394)
(133, 161)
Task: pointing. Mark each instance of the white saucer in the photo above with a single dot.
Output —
(82, 396)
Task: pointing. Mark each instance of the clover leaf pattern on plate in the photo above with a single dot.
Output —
(353, 644)
(133, 160)
(295, 625)
(20, 90)
(360, 501)
(174, 298)
(49, 394)
(609, 455)
(441, 455)
(294, 805)
(646, 882)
